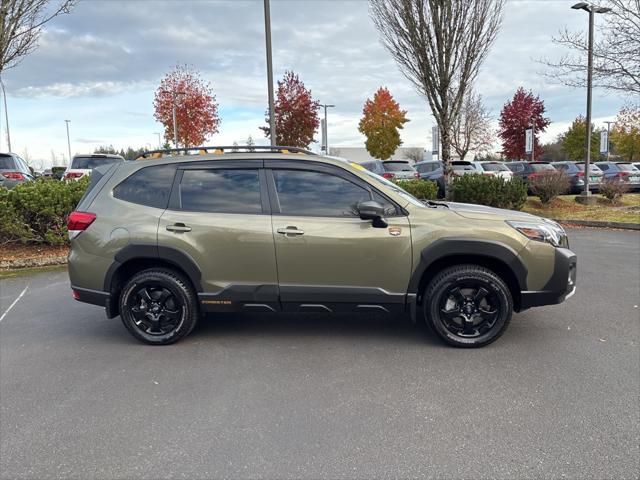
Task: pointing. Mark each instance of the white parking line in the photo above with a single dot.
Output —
(14, 303)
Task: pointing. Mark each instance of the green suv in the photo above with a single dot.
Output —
(165, 239)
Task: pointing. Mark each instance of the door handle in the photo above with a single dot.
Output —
(178, 228)
(291, 230)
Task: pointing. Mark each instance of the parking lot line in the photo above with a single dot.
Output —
(14, 302)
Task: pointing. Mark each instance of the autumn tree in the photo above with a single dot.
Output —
(439, 46)
(381, 123)
(574, 141)
(296, 113)
(414, 154)
(472, 129)
(518, 115)
(625, 134)
(196, 108)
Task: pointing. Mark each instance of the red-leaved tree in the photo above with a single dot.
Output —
(296, 113)
(196, 108)
(518, 115)
(381, 122)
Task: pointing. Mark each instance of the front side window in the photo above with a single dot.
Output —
(221, 191)
(321, 194)
(149, 186)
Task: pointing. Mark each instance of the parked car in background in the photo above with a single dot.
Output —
(621, 171)
(526, 170)
(494, 169)
(82, 165)
(399, 170)
(462, 167)
(595, 175)
(13, 170)
(432, 170)
(576, 175)
(636, 164)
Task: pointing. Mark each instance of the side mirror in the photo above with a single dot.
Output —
(371, 210)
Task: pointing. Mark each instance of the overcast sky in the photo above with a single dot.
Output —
(100, 65)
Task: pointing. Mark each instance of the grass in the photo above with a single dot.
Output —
(627, 210)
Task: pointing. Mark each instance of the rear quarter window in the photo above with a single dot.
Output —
(150, 186)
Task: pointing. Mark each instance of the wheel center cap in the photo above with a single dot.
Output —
(468, 309)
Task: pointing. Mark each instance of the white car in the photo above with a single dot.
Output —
(82, 165)
(494, 169)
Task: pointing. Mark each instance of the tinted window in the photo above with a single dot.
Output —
(320, 194)
(515, 167)
(87, 163)
(603, 166)
(149, 186)
(625, 167)
(541, 167)
(221, 191)
(592, 168)
(426, 167)
(7, 162)
(493, 167)
(397, 166)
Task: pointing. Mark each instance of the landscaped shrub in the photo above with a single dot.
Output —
(36, 212)
(613, 189)
(548, 185)
(490, 191)
(421, 189)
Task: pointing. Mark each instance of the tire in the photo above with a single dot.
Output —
(467, 306)
(158, 306)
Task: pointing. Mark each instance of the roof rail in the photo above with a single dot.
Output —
(219, 150)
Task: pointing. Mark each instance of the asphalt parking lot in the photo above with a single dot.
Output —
(326, 396)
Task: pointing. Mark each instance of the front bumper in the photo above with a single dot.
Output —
(560, 286)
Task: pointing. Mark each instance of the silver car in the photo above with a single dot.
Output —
(494, 169)
(399, 170)
(13, 170)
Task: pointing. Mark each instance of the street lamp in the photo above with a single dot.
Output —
(68, 139)
(591, 9)
(326, 128)
(174, 96)
(272, 110)
(6, 114)
(159, 141)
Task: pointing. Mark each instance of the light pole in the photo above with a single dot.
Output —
(6, 114)
(272, 110)
(608, 135)
(326, 128)
(174, 96)
(592, 10)
(68, 139)
(159, 141)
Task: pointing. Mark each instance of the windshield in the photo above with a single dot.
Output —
(461, 167)
(7, 163)
(494, 167)
(397, 189)
(397, 167)
(89, 163)
(542, 167)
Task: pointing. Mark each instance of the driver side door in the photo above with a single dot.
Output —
(328, 259)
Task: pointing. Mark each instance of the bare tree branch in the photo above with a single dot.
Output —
(439, 46)
(616, 51)
(21, 23)
(472, 131)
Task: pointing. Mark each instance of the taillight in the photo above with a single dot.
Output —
(580, 174)
(388, 175)
(533, 175)
(622, 174)
(13, 175)
(76, 294)
(416, 174)
(73, 175)
(78, 222)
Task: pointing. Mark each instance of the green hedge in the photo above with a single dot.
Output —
(490, 191)
(36, 212)
(421, 189)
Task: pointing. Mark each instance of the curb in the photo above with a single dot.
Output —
(8, 265)
(598, 224)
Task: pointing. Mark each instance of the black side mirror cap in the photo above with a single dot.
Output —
(372, 210)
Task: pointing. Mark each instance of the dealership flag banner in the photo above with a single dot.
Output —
(529, 141)
(435, 141)
(604, 141)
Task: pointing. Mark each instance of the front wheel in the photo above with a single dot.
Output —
(158, 306)
(467, 306)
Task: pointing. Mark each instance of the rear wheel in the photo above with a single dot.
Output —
(158, 306)
(467, 306)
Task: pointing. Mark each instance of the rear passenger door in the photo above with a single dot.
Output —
(218, 214)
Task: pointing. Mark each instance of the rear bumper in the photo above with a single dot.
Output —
(560, 286)
(94, 297)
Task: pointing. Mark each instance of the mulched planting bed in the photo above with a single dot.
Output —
(26, 256)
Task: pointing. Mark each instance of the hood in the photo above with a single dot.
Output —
(482, 212)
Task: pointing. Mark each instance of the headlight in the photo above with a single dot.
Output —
(545, 230)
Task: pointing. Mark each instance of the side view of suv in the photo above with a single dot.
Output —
(165, 239)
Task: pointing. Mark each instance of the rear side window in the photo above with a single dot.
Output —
(221, 191)
(149, 186)
(603, 166)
